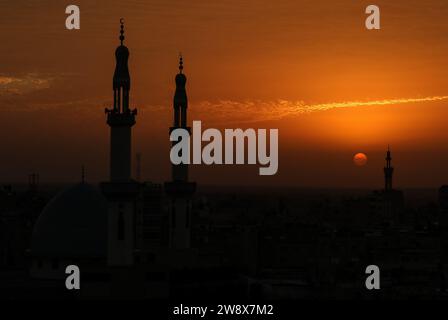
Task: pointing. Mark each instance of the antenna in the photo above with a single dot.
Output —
(138, 170)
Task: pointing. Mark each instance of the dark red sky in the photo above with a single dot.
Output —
(308, 68)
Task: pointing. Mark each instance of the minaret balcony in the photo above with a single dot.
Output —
(116, 118)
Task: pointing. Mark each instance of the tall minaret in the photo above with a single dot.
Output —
(120, 118)
(180, 190)
(388, 172)
(121, 191)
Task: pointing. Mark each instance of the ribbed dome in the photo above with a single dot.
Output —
(73, 225)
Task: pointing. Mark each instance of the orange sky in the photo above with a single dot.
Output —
(308, 68)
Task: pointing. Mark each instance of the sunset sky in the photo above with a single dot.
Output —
(309, 68)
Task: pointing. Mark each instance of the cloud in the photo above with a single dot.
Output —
(227, 111)
(20, 85)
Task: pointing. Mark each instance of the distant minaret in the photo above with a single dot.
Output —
(388, 172)
(180, 190)
(121, 191)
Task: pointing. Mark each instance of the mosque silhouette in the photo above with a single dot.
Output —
(97, 229)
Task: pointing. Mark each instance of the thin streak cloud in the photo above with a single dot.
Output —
(228, 111)
(15, 85)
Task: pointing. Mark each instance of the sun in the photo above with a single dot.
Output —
(360, 159)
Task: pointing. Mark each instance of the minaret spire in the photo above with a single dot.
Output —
(121, 31)
(180, 101)
(121, 79)
(181, 63)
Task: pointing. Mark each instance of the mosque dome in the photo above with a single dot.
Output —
(72, 225)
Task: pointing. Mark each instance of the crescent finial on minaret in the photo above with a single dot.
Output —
(121, 30)
(181, 62)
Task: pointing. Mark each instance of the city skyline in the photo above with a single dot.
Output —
(308, 192)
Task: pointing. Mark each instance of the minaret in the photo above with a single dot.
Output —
(120, 118)
(388, 172)
(180, 190)
(180, 105)
(121, 191)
